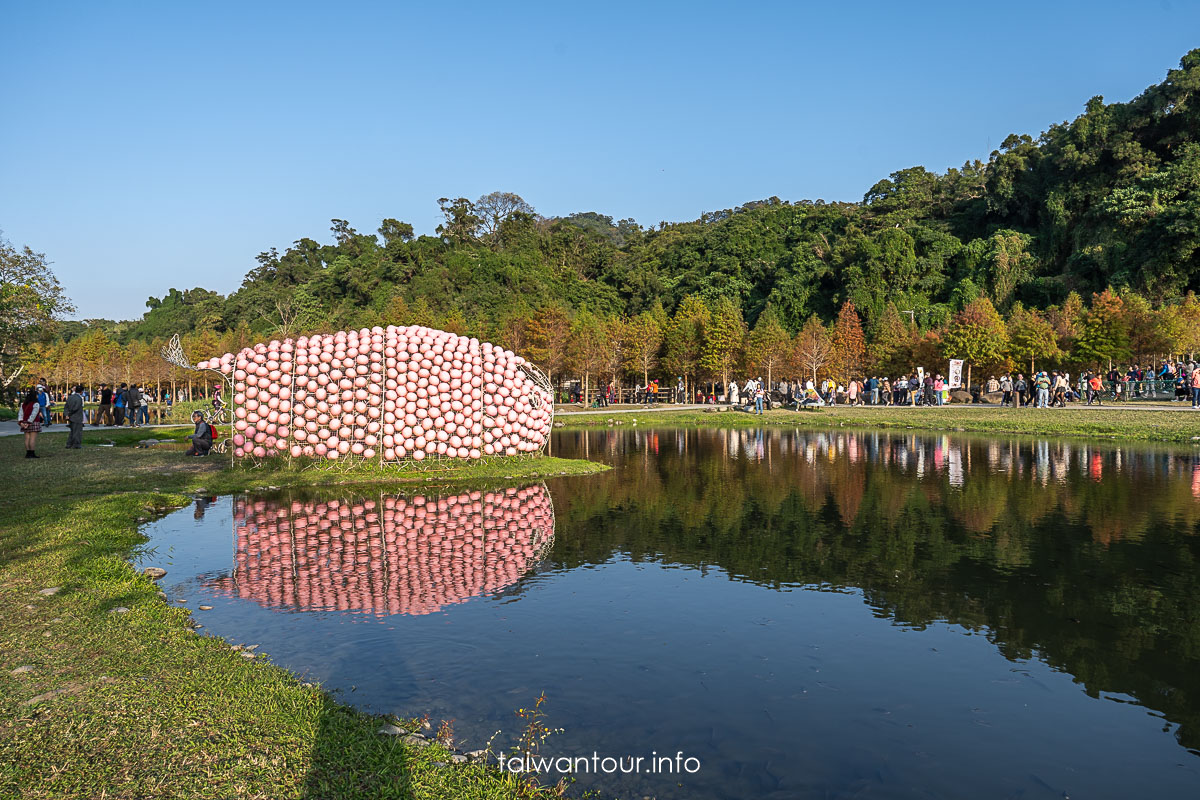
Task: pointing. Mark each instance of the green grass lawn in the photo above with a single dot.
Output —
(133, 704)
(1146, 424)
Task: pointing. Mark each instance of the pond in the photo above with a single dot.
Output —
(803, 613)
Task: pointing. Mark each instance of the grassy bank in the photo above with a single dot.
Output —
(132, 703)
(1146, 424)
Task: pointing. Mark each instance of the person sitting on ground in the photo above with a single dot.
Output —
(202, 438)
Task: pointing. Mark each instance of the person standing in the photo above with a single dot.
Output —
(119, 405)
(680, 392)
(143, 405)
(133, 399)
(1196, 388)
(104, 412)
(1019, 387)
(758, 396)
(43, 399)
(1006, 386)
(73, 408)
(30, 422)
(1042, 383)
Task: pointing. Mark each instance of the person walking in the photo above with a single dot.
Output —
(1006, 386)
(1095, 390)
(104, 412)
(73, 408)
(30, 421)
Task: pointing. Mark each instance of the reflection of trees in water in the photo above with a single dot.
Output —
(391, 555)
(1083, 554)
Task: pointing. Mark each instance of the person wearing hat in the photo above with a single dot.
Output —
(43, 400)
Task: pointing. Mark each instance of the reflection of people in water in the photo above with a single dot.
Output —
(389, 556)
(202, 504)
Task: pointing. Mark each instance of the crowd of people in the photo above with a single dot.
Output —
(115, 406)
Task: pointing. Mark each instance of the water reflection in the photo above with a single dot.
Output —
(391, 555)
(1081, 554)
(809, 613)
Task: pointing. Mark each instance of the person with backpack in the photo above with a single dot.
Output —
(119, 405)
(202, 437)
(30, 422)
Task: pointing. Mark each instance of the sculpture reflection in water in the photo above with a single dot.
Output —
(391, 555)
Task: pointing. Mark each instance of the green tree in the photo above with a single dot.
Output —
(643, 343)
(977, 335)
(31, 302)
(548, 335)
(1031, 337)
(685, 339)
(768, 345)
(891, 345)
(724, 339)
(588, 347)
(1104, 336)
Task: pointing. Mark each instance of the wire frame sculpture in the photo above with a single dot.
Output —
(172, 353)
(408, 395)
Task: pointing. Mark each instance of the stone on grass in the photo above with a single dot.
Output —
(154, 573)
(119, 610)
(50, 591)
(392, 730)
(458, 759)
(21, 670)
(244, 654)
(50, 695)
(416, 740)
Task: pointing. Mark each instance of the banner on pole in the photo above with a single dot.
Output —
(956, 365)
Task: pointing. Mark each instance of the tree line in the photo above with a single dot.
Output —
(711, 343)
(1102, 209)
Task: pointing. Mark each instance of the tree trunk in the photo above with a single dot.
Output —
(968, 387)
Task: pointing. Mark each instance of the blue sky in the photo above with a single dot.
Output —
(151, 145)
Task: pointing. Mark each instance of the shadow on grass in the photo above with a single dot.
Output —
(350, 759)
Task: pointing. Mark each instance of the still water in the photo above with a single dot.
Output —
(807, 614)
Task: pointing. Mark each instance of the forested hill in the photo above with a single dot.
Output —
(1111, 198)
